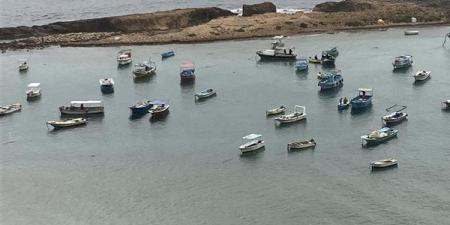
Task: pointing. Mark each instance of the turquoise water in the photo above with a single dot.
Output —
(187, 169)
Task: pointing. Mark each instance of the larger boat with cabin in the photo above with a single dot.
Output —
(379, 136)
(363, 100)
(106, 85)
(144, 69)
(253, 143)
(187, 71)
(333, 52)
(422, 75)
(124, 57)
(331, 80)
(298, 114)
(403, 61)
(33, 91)
(8, 109)
(301, 64)
(82, 107)
(277, 51)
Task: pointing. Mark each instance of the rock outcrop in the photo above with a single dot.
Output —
(343, 6)
(265, 7)
(153, 23)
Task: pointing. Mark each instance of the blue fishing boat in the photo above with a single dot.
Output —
(167, 54)
(141, 107)
(402, 62)
(301, 65)
(363, 100)
(331, 80)
(187, 71)
(379, 136)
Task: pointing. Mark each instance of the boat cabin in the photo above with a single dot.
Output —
(86, 104)
(34, 86)
(365, 92)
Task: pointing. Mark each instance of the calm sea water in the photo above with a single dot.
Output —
(38, 12)
(188, 169)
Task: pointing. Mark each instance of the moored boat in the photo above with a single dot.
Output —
(343, 104)
(379, 136)
(422, 75)
(363, 100)
(446, 104)
(275, 111)
(187, 71)
(333, 52)
(106, 85)
(396, 116)
(295, 116)
(331, 80)
(144, 69)
(160, 109)
(314, 60)
(412, 32)
(33, 91)
(82, 108)
(301, 64)
(205, 94)
(253, 143)
(403, 61)
(23, 65)
(300, 145)
(168, 54)
(328, 60)
(383, 163)
(141, 107)
(124, 57)
(8, 109)
(67, 123)
(277, 54)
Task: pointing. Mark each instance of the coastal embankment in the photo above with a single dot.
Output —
(211, 24)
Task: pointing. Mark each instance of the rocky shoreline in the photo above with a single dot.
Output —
(212, 24)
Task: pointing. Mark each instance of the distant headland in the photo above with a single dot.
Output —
(212, 24)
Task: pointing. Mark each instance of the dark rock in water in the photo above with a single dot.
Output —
(153, 23)
(343, 6)
(265, 7)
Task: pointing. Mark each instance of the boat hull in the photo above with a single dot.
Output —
(6, 110)
(247, 149)
(167, 54)
(373, 142)
(79, 111)
(107, 89)
(297, 146)
(204, 96)
(291, 120)
(286, 57)
(59, 125)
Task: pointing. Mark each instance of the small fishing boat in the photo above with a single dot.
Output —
(300, 145)
(328, 60)
(395, 116)
(67, 123)
(343, 104)
(301, 65)
(445, 39)
(276, 111)
(144, 69)
(412, 32)
(253, 143)
(141, 107)
(106, 85)
(295, 116)
(277, 54)
(82, 108)
(383, 163)
(363, 100)
(33, 91)
(446, 104)
(187, 71)
(403, 61)
(333, 52)
(168, 54)
(278, 42)
(422, 75)
(331, 80)
(314, 60)
(23, 65)
(205, 94)
(124, 57)
(160, 109)
(8, 109)
(379, 136)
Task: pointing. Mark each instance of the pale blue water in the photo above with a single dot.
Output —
(38, 12)
(187, 170)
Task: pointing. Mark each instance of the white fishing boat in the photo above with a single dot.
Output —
(124, 57)
(298, 114)
(395, 116)
(82, 108)
(253, 143)
(412, 32)
(383, 163)
(446, 104)
(106, 85)
(275, 111)
(422, 75)
(57, 124)
(23, 65)
(33, 90)
(8, 109)
(402, 62)
(205, 94)
(300, 145)
(144, 69)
